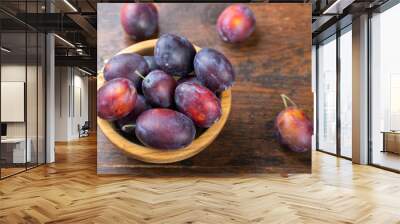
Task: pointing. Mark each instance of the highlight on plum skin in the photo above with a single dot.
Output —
(236, 23)
(158, 87)
(127, 123)
(126, 66)
(294, 129)
(214, 70)
(164, 129)
(174, 54)
(198, 103)
(139, 20)
(116, 99)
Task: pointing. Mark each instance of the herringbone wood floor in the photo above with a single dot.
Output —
(69, 191)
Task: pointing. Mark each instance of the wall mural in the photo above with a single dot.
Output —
(204, 89)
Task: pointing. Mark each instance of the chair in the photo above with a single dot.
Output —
(84, 130)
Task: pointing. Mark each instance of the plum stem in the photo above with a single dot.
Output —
(139, 74)
(127, 127)
(285, 99)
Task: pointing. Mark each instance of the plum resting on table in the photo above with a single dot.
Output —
(126, 66)
(236, 23)
(139, 20)
(127, 123)
(116, 99)
(294, 129)
(198, 103)
(158, 87)
(174, 54)
(214, 70)
(164, 129)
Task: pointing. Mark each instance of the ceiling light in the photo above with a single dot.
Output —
(5, 50)
(84, 71)
(70, 5)
(64, 40)
(80, 51)
(337, 7)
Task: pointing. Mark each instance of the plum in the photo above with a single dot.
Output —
(214, 70)
(151, 63)
(158, 87)
(236, 23)
(116, 99)
(126, 66)
(174, 54)
(189, 79)
(294, 128)
(198, 103)
(127, 123)
(164, 129)
(139, 20)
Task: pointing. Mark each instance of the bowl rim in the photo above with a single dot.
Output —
(160, 156)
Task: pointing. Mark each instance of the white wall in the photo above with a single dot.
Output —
(80, 102)
(61, 103)
(12, 73)
(71, 93)
(33, 127)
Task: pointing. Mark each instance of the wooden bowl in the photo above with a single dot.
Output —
(153, 155)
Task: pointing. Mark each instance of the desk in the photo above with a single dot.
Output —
(18, 151)
(391, 141)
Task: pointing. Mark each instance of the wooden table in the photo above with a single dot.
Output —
(391, 141)
(275, 60)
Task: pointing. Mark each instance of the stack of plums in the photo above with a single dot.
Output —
(162, 100)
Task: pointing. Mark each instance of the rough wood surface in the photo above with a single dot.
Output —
(70, 191)
(275, 60)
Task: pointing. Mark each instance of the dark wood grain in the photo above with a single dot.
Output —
(275, 60)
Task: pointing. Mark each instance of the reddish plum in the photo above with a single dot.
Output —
(198, 103)
(214, 70)
(164, 129)
(236, 23)
(116, 99)
(139, 20)
(158, 87)
(294, 128)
